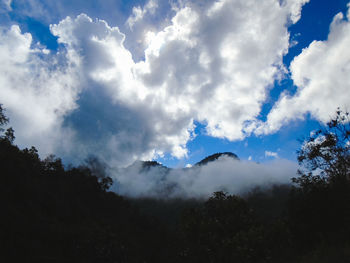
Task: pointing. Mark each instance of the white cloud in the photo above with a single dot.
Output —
(271, 154)
(295, 7)
(225, 174)
(213, 63)
(37, 92)
(230, 54)
(138, 13)
(143, 22)
(144, 128)
(321, 73)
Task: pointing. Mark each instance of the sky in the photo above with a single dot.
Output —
(172, 81)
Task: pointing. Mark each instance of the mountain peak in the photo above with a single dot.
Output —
(216, 156)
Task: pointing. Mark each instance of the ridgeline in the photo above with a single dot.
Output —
(53, 214)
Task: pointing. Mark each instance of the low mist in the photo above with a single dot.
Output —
(145, 179)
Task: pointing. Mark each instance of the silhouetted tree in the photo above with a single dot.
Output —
(9, 135)
(319, 208)
(224, 229)
(326, 153)
(3, 119)
(98, 168)
(50, 213)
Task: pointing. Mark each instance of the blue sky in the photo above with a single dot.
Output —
(173, 81)
(313, 25)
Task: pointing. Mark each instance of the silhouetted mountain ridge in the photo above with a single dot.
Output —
(215, 156)
(146, 165)
(55, 214)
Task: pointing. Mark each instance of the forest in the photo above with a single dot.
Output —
(53, 213)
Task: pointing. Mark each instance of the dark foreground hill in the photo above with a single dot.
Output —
(49, 214)
(53, 214)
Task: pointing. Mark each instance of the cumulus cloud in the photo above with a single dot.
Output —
(213, 62)
(321, 73)
(126, 121)
(36, 90)
(225, 174)
(139, 13)
(145, 21)
(230, 53)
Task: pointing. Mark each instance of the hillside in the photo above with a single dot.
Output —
(216, 156)
(55, 214)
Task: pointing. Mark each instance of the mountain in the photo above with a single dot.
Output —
(216, 156)
(146, 165)
(150, 164)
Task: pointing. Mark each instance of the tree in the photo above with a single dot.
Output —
(10, 133)
(3, 119)
(99, 169)
(319, 208)
(326, 153)
(223, 229)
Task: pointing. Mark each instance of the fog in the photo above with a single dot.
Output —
(225, 174)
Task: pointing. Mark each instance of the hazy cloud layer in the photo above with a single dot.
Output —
(321, 73)
(5, 6)
(37, 90)
(213, 62)
(225, 174)
(271, 154)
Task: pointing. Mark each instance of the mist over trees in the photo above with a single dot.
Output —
(52, 213)
(217, 172)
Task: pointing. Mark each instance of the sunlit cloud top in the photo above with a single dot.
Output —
(134, 81)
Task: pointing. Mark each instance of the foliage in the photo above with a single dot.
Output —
(53, 214)
(327, 150)
(97, 168)
(3, 119)
(319, 207)
(9, 133)
(224, 229)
